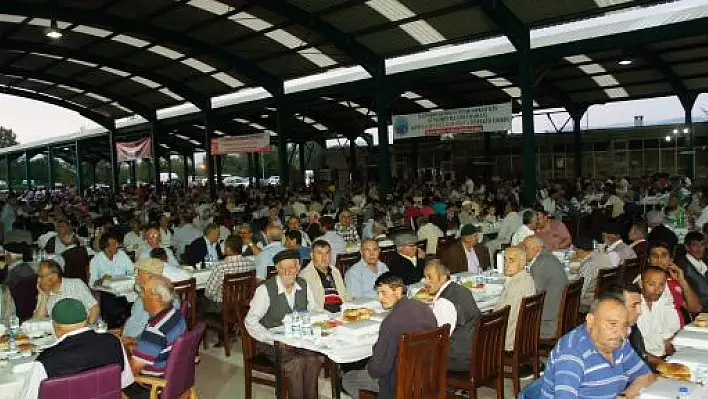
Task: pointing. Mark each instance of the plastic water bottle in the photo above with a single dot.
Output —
(14, 329)
(296, 325)
(702, 375)
(305, 325)
(101, 325)
(288, 324)
(683, 393)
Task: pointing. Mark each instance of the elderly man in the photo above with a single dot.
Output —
(250, 246)
(552, 231)
(467, 254)
(577, 367)
(273, 300)
(660, 233)
(234, 262)
(78, 348)
(406, 316)
(153, 240)
(346, 229)
(264, 260)
(548, 275)
(407, 262)
(360, 278)
(693, 263)
(528, 224)
(154, 345)
(658, 321)
(618, 251)
(519, 285)
(63, 240)
(206, 247)
(327, 285)
(467, 214)
(53, 288)
(453, 305)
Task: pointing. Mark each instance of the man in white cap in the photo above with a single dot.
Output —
(467, 215)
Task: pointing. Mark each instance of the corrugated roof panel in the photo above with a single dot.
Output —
(355, 19)
(391, 41)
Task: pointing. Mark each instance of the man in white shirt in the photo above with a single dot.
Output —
(508, 226)
(528, 220)
(430, 232)
(185, 234)
(77, 349)
(694, 265)
(153, 240)
(658, 321)
(277, 297)
(616, 248)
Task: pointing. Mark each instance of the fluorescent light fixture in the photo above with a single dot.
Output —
(675, 131)
(667, 138)
(685, 130)
(625, 62)
(54, 32)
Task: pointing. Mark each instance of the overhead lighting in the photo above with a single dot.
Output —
(54, 32)
(675, 131)
(625, 62)
(685, 130)
(668, 138)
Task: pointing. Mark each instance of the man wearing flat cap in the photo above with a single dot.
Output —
(408, 261)
(276, 297)
(77, 349)
(616, 248)
(466, 254)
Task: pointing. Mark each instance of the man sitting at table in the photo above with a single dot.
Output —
(618, 251)
(153, 240)
(144, 270)
(528, 220)
(658, 232)
(467, 254)
(658, 321)
(154, 345)
(693, 263)
(264, 259)
(453, 304)
(234, 262)
(360, 278)
(590, 264)
(326, 282)
(552, 232)
(206, 247)
(109, 263)
(293, 239)
(577, 365)
(406, 316)
(274, 298)
(518, 286)
(78, 348)
(632, 295)
(336, 242)
(63, 240)
(53, 288)
(407, 261)
(548, 275)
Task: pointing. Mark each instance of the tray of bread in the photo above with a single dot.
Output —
(674, 371)
(424, 296)
(353, 315)
(20, 339)
(700, 323)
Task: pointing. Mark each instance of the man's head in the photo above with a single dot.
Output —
(145, 268)
(582, 246)
(655, 218)
(370, 252)
(135, 225)
(273, 211)
(62, 227)
(653, 283)
(68, 315)
(294, 223)
(637, 232)
(390, 289)
(632, 295)
(49, 275)
(321, 255)
(533, 246)
(611, 233)
(607, 322)
(528, 218)
(660, 255)
(436, 275)
(514, 261)
(187, 217)
(274, 233)
(211, 232)
(327, 223)
(405, 243)
(467, 206)
(287, 263)
(156, 292)
(542, 219)
(293, 239)
(109, 243)
(468, 235)
(164, 222)
(694, 244)
(233, 245)
(345, 218)
(153, 236)
(245, 232)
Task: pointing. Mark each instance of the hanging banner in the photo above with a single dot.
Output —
(239, 144)
(485, 118)
(134, 150)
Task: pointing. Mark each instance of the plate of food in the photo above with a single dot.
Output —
(327, 326)
(19, 339)
(423, 296)
(357, 314)
(674, 371)
(26, 347)
(472, 285)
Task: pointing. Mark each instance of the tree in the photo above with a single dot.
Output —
(7, 137)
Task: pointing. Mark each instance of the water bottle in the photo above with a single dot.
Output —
(683, 393)
(305, 325)
(702, 375)
(14, 325)
(101, 325)
(288, 324)
(296, 325)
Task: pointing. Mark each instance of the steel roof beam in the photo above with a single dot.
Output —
(507, 21)
(188, 94)
(684, 95)
(152, 33)
(85, 112)
(127, 102)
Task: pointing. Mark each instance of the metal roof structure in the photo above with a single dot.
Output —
(330, 61)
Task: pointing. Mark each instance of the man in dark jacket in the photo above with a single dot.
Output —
(693, 263)
(407, 315)
(453, 304)
(203, 247)
(407, 262)
(467, 254)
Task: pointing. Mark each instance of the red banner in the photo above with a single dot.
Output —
(133, 150)
(259, 142)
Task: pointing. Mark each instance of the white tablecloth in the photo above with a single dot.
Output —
(686, 338)
(124, 286)
(13, 373)
(669, 389)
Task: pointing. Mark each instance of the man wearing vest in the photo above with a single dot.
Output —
(453, 304)
(274, 298)
(77, 349)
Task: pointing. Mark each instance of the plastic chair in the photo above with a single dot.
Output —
(99, 383)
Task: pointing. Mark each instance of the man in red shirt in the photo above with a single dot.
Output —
(552, 231)
(685, 298)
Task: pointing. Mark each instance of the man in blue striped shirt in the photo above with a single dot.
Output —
(595, 359)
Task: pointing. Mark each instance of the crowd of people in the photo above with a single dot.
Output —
(293, 242)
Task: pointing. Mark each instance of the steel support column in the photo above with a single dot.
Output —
(578, 147)
(414, 161)
(285, 115)
(113, 158)
(79, 169)
(28, 171)
(219, 169)
(688, 104)
(208, 157)
(50, 168)
(168, 157)
(488, 156)
(93, 175)
(251, 169)
(8, 164)
(382, 117)
(193, 165)
(526, 78)
(352, 159)
(185, 170)
(303, 164)
(134, 173)
(257, 167)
